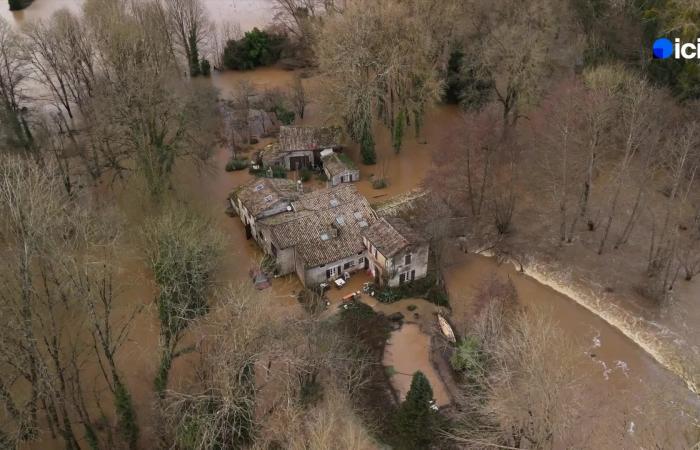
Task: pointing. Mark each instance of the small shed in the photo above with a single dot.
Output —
(339, 169)
(302, 146)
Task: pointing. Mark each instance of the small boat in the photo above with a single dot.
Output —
(446, 329)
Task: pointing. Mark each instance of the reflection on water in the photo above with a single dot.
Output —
(246, 13)
(408, 351)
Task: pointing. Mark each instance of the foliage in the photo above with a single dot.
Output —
(196, 422)
(378, 59)
(256, 48)
(673, 19)
(279, 172)
(369, 156)
(285, 116)
(398, 131)
(16, 5)
(182, 251)
(205, 67)
(236, 164)
(415, 420)
(468, 357)
(126, 414)
(195, 68)
(305, 174)
(467, 83)
(427, 288)
(454, 83)
(182, 256)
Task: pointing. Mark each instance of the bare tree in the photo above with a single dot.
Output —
(182, 252)
(527, 396)
(13, 75)
(46, 297)
(299, 16)
(298, 96)
(636, 116)
(192, 29)
(261, 373)
(517, 39)
(378, 59)
(464, 173)
(223, 32)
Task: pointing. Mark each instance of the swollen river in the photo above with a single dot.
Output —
(623, 369)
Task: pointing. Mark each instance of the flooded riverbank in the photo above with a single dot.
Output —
(246, 13)
(618, 369)
(620, 363)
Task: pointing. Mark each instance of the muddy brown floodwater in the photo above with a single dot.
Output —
(246, 13)
(620, 371)
(618, 365)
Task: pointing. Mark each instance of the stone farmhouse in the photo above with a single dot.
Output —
(301, 147)
(396, 252)
(324, 234)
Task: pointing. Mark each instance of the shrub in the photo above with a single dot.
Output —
(126, 415)
(426, 288)
(259, 172)
(256, 48)
(16, 5)
(285, 116)
(466, 82)
(398, 132)
(468, 357)
(305, 174)
(369, 156)
(205, 67)
(236, 164)
(279, 172)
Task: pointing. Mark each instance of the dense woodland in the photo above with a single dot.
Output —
(571, 137)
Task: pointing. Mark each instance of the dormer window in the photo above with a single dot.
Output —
(407, 259)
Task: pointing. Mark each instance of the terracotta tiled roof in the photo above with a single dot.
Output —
(325, 226)
(309, 138)
(262, 194)
(392, 235)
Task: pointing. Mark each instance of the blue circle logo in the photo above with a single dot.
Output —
(663, 48)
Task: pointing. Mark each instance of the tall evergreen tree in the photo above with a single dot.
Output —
(415, 419)
(398, 131)
(367, 147)
(194, 56)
